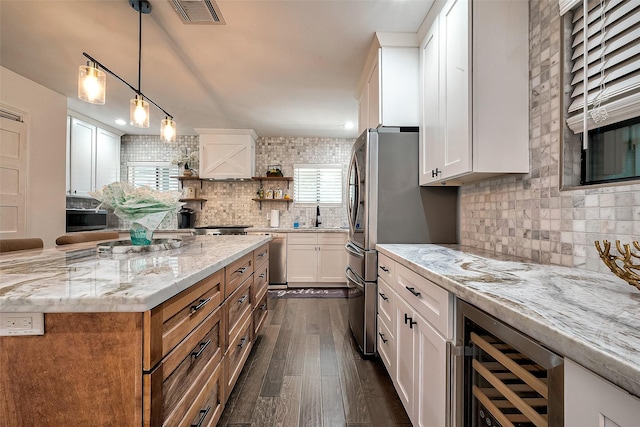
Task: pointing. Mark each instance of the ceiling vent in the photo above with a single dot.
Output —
(198, 11)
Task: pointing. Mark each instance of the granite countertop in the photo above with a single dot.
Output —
(589, 317)
(77, 279)
(298, 230)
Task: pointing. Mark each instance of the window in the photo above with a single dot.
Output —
(317, 185)
(153, 174)
(605, 84)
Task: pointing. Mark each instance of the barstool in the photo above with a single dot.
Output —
(87, 236)
(10, 245)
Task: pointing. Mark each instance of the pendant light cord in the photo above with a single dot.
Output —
(139, 46)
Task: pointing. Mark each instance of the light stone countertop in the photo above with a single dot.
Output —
(589, 317)
(297, 230)
(74, 278)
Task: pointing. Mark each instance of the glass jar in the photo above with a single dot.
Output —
(269, 194)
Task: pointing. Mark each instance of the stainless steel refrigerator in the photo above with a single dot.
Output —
(387, 205)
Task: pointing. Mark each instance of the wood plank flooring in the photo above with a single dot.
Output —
(305, 370)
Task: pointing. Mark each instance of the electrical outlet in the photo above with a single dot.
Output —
(268, 216)
(21, 324)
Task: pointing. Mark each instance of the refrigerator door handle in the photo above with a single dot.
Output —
(353, 277)
(354, 250)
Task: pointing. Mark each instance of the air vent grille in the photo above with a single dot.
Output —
(198, 11)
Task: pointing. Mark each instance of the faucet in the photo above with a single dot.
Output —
(318, 222)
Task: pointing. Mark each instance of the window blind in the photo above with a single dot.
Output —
(156, 175)
(317, 185)
(612, 81)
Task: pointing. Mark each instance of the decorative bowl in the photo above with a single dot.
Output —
(626, 264)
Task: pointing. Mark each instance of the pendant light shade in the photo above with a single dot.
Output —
(139, 112)
(92, 83)
(168, 130)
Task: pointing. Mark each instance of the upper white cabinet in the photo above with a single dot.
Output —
(93, 157)
(388, 93)
(591, 401)
(227, 153)
(474, 86)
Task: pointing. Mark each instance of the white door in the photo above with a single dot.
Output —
(430, 376)
(404, 357)
(431, 147)
(332, 262)
(13, 179)
(454, 98)
(302, 263)
(81, 146)
(373, 86)
(107, 158)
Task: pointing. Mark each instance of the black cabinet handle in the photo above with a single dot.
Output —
(413, 291)
(384, 340)
(383, 268)
(243, 341)
(383, 296)
(203, 345)
(409, 320)
(241, 270)
(261, 254)
(263, 306)
(262, 276)
(195, 308)
(435, 172)
(203, 415)
(243, 299)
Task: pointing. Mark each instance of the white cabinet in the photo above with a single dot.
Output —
(389, 83)
(227, 153)
(316, 258)
(93, 157)
(591, 401)
(474, 92)
(422, 322)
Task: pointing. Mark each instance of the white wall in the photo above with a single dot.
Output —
(46, 140)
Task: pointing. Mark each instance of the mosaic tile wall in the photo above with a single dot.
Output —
(529, 215)
(230, 202)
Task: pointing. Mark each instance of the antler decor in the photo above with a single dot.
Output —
(622, 265)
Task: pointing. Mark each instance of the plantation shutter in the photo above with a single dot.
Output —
(613, 62)
(153, 174)
(317, 185)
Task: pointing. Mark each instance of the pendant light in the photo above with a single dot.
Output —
(92, 82)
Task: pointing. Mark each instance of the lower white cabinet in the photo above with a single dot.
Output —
(591, 401)
(417, 331)
(316, 258)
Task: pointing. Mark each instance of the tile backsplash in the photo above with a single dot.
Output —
(529, 216)
(230, 202)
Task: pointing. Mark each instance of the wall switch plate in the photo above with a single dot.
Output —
(12, 324)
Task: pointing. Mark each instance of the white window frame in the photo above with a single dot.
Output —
(317, 167)
(167, 168)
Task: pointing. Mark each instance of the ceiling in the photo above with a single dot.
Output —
(282, 68)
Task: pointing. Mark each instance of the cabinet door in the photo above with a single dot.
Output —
(430, 388)
(332, 262)
(374, 95)
(229, 156)
(591, 401)
(454, 94)
(302, 264)
(107, 158)
(81, 165)
(431, 146)
(363, 110)
(404, 380)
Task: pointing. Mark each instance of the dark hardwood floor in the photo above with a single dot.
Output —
(305, 370)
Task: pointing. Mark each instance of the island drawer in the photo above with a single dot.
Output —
(170, 322)
(239, 347)
(260, 255)
(184, 372)
(259, 314)
(237, 307)
(208, 406)
(237, 272)
(260, 283)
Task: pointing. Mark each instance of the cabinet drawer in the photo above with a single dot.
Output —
(239, 347)
(332, 238)
(428, 299)
(259, 315)
(237, 272)
(386, 267)
(237, 307)
(386, 347)
(169, 323)
(302, 238)
(386, 298)
(181, 375)
(207, 407)
(260, 283)
(260, 256)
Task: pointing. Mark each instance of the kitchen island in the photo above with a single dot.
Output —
(132, 339)
(591, 319)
